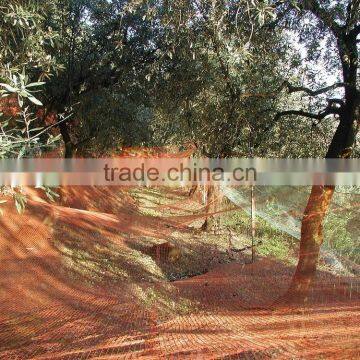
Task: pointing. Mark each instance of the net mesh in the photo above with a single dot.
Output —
(282, 209)
(129, 273)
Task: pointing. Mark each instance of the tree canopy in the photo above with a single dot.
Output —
(233, 77)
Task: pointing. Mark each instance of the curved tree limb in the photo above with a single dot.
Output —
(333, 101)
(319, 116)
(311, 92)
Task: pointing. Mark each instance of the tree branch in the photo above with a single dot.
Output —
(257, 95)
(223, 66)
(311, 92)
(45, 129)
(319, 116)
(339, 102)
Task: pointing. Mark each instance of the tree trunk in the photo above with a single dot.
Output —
(311, 240)
(193, 190)
(319, 201)
(312, 221)
(69, 146)
(253, 224)
(57, 106)
(212, 201)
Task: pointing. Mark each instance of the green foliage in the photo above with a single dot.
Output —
(147, 72)
(25, 41)
(2, 202)
(275, 247)
(274, 243)
(25, 38)
(25, 59)
(20, 135)
(50, 194)
(207, 90)
(20, 201)
(341, 237)
(342, 224)
(109, 121)
(220, 80)
(18, 84)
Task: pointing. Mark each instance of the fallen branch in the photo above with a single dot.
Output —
(246, 247)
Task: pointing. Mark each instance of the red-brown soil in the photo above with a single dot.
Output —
(59, 299)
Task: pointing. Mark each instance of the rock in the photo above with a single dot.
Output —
(166, 252)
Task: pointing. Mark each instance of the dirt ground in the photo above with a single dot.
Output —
(79, 280)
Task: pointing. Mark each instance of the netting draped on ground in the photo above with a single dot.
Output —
(81, 278)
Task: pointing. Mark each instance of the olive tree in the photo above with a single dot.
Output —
(329, 31)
